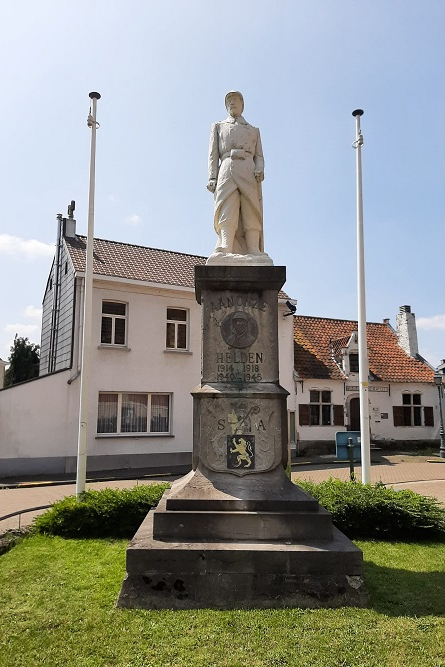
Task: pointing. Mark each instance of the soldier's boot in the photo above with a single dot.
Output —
(253, 242)
(226, 238)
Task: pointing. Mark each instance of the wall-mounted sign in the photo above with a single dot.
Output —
(371, 388)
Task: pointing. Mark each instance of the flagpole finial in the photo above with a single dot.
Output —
(357, 112)
(96, 96)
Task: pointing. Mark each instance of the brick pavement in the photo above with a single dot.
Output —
(14, 500)
(401, 471)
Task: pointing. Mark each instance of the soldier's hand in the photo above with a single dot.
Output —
(259, 175)
(211, 185)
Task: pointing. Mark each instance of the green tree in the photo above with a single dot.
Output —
(23, 361)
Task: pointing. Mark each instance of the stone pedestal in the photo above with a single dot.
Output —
(235, 531)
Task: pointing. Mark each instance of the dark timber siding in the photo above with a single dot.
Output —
(63, 338)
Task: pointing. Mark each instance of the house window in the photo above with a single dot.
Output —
(114, 323)
(353, 363)
(412, 411)
(133, 413)
(176, 332)
(320, 408)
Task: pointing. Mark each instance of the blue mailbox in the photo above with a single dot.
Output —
(341, 445)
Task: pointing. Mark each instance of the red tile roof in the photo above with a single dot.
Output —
(134, 262)
(123, 260)
(315, 338)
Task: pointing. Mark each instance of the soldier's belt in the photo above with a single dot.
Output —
(236, 154)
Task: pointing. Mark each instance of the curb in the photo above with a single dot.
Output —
(93, 480)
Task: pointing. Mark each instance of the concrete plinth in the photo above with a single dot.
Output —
(171, 574)
(235, 531)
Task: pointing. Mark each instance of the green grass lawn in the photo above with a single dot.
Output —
(58, 608)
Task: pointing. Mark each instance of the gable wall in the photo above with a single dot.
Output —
(46, 325)
(63, 339)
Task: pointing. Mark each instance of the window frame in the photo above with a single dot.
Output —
(150, 416)
(317, 416)
(354, 367)
(113, 318)
(177, 323)
(412, 408)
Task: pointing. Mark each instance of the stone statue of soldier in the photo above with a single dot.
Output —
(236, 169)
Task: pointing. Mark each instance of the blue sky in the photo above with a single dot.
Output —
(163, 69)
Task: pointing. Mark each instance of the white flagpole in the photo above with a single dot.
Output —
(362, 340)
(87, 313)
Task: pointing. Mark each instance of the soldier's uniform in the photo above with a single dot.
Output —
(235, 153)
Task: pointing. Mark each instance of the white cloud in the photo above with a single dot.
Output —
(32, 312)
(134, 220)
(27, 248)
(433, 322)
(22, 330)
(113, 199)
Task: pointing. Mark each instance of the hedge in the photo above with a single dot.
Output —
(362, 510)
(105, 513)
(358, 510)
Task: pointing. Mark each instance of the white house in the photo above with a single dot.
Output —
(146, 359)
(403, 398)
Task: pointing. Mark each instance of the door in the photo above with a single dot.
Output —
(354, 414)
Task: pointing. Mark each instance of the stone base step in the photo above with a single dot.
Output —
(204, 490)
(232, 526)
(168, 574)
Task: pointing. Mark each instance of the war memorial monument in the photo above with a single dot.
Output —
(236, 532)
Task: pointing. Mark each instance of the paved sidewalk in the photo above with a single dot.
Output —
(422, 474)
(14, 500)
(401, 471)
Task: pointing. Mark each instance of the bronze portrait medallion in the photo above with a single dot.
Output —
(239, 329)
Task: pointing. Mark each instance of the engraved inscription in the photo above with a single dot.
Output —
(239, 366)
(238, 301)
(239, 329)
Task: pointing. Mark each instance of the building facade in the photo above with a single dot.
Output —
(403, 403)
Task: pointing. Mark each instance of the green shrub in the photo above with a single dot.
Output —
(358, 510)
(362, 510)
(105, 513)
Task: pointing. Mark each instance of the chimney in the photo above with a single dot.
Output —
(407, 332)
(69, 223)
(386, 320)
